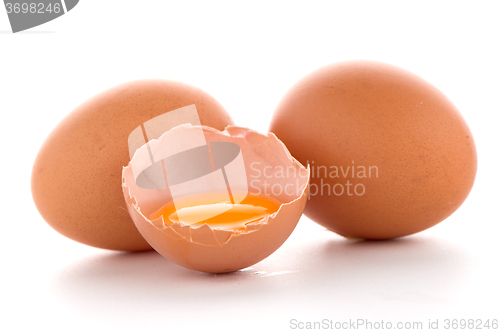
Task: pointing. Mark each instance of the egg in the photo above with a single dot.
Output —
(390, 154)
(257, 166)
(76, 175)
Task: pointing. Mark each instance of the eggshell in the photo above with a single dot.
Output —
(215, 250)
(366, 114)
(76, 175)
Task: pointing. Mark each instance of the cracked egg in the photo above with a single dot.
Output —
(215, 201)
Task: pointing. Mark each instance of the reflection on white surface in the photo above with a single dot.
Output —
(315, 274)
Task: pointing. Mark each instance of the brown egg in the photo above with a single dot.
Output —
(390, 155)
(76, 176)
(271, 173)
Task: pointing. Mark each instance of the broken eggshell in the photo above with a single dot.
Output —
(270, 171)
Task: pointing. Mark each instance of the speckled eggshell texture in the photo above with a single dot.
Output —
(402, 153)
(76, 177)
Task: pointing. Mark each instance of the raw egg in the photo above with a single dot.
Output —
(390, 155)
(215, 201)
(76, 175)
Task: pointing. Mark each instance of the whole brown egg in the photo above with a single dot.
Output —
(76, 177)
(390, 154)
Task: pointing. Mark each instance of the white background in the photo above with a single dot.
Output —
(246, 54)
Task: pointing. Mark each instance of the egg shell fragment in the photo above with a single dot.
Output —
(214, 250)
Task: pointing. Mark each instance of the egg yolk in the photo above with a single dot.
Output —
(212, 209)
